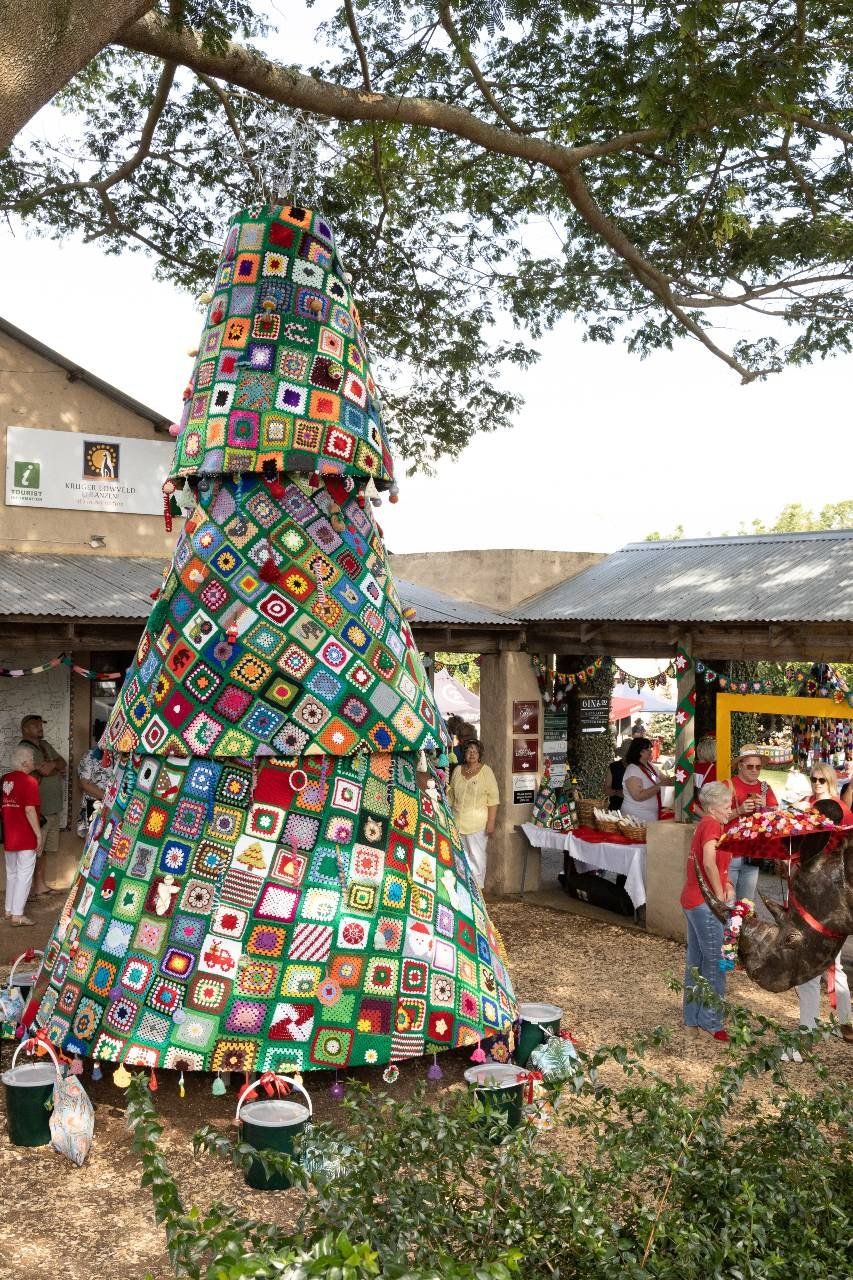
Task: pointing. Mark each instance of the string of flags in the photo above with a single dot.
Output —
(555, 685)
(64, 660)
(639, 682)
(811, 688)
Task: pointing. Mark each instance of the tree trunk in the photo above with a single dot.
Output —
(43, 45)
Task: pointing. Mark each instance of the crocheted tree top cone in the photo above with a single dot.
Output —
(274, 881)
(282, 375)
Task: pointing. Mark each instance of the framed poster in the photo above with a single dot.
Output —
(525, 755)
(525, 717)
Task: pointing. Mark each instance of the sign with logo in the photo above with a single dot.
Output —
(525, 717)
(525, 755)
(523, 790)
(75, 472)
(594, 714)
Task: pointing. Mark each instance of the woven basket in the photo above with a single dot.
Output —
(632, 830)
(610, 825)
(586, 810)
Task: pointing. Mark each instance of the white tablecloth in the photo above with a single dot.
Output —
(627, 860)
(544, 837)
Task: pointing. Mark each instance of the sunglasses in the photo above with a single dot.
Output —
(823, 780)
(753, 767)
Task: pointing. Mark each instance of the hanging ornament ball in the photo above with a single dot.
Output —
(391, 1074)
(337, 1091)
(434, 1072)
(121, 1077)
(479, 1054)
(97, 1073)
(218, 1087)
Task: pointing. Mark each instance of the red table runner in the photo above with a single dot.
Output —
(591, 836)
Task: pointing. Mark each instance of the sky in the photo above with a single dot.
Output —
(606, 449)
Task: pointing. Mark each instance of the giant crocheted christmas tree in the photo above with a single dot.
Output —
(269, 884)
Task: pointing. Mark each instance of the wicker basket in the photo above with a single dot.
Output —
(632, 830)
(586, 810)
(609, 825)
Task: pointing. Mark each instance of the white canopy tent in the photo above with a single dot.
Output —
(454, 699)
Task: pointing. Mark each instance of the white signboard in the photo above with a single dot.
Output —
(79, 471)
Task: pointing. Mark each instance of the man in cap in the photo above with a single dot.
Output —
(50, 769)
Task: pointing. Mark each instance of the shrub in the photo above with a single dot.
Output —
(673, 1182)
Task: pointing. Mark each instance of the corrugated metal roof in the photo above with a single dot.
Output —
(77, 586)
(119, 587)
(434, 606)
(786, 577)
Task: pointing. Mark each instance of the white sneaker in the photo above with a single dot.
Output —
(793, 1056)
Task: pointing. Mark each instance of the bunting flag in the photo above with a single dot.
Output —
(555, 685)
(64, 660)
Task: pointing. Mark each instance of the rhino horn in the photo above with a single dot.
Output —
(716, 904)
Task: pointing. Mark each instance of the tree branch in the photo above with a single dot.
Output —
(129, 166)
(467, 57)
(648, 275)
(234, 124)
(352, 23)
(250, 70)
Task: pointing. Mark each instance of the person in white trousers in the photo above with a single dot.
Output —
(22, 838)
(809, 995)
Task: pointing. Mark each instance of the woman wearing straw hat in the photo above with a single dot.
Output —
(749, 795)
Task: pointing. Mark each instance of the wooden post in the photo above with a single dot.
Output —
(685, 725)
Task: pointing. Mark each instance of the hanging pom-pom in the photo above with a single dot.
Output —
(435, 1073)
(168, 490)
(479, 1054)
(337, 1090)
(121, 1077)
(269, 570)
(218, 1086)
(217, 315)
(182, 1093)
(152, 1081)
(175, 429)
(76, 1067)
(97, 1073)
(360, 499)
(394, 494)
(409, 613)
(205, 299)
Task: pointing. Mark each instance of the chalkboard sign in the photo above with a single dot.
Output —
(594, 714)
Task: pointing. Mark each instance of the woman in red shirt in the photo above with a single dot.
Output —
(704, 930)
(21, 832)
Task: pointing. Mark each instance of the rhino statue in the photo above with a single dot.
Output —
(806, 937)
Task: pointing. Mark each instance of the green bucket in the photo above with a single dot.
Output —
(499, 1087)
(29, 1092)
(271, 1124)
(536, 1019)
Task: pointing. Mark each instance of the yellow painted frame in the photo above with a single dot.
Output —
(770, 704)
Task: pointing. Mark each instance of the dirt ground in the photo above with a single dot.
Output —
(96, 1223)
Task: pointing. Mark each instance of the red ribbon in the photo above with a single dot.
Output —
(528, 1078)
(271, 1085)
(810, 920)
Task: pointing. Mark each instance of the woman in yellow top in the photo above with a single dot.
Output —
(474, 799)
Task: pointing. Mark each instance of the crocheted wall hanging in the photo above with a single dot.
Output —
(269, 884)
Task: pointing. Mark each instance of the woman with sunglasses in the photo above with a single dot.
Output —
(749, 795)
(824, 782)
